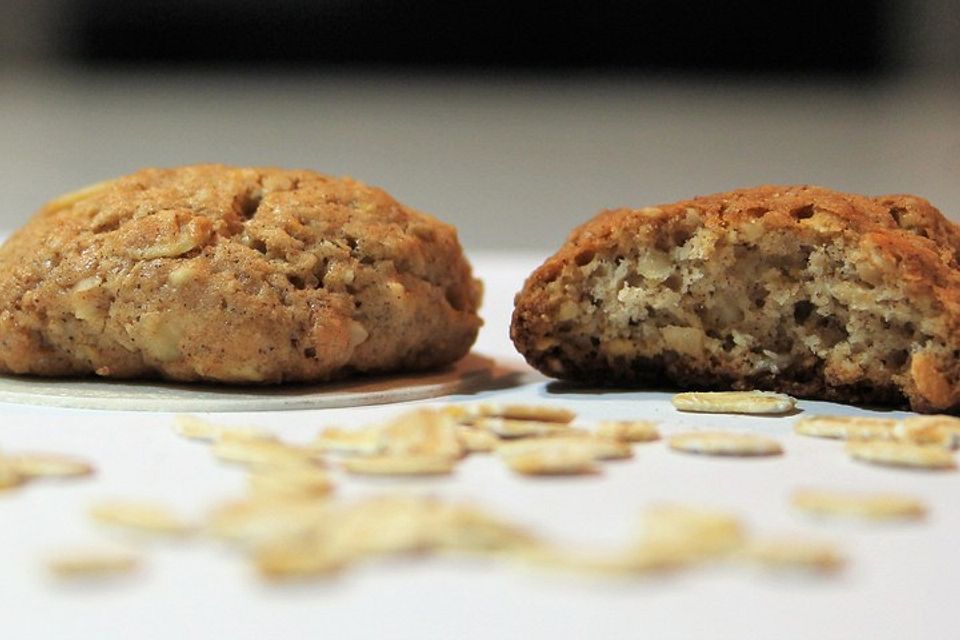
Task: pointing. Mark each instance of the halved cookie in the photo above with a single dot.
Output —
(796, 289)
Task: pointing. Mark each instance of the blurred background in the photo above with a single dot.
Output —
(513, 120)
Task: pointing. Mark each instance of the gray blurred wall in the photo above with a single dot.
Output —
(514, 161)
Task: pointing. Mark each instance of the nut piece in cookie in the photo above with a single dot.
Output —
(234, 275)
(794, 289)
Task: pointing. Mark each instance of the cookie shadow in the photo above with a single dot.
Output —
(571, 388)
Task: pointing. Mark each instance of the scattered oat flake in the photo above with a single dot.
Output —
(264, 453)
(387, 525)
(378, 526)
(513, 428)
(477, 440)
(455, 411)
(724, 443)
(901, 454)
(289, 481)
(400, 465)
(141, 516)
(938, 430)
(10, 476)
(628, 430)
(350, 441)
(795, 553)
(49, 465)
(466, 528)
(445, 525)
(873, 506)
(195, 428)
(689, 533)
(597, 448)
(602, 448)
(753, 402)
(554, 461)
(298, 558)
(846, 427)
(245, 434)
(258, 521)
(422, 433)
(92, 563)
(537, 413)
(621, 563)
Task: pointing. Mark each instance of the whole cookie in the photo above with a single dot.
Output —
(233, 275)
(788, 288)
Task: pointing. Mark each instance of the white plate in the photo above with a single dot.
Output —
(471, 373)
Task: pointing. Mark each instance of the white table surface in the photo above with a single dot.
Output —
(901, 580)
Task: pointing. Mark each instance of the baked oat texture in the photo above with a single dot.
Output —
(796, 289)
(233, 275)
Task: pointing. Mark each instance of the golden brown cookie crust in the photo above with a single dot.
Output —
(797, 289)
(238, 275)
